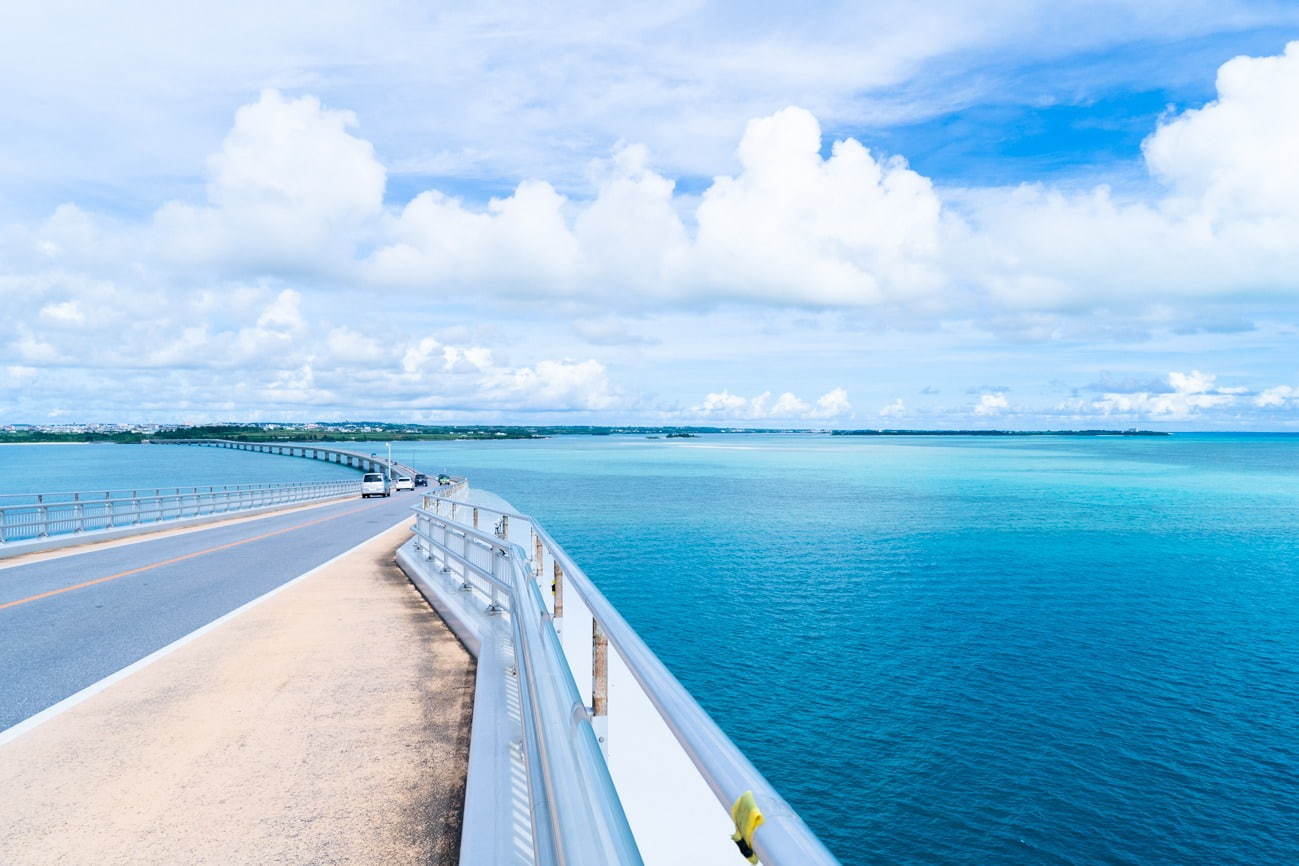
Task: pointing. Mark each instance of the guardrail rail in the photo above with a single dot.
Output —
(46, 515)
(577, 816)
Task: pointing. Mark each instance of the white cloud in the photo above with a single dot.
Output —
(897, 407)
(290, 188)
(1228, 160)
(289, 267)
(790, 228)
(1277, 397)
(795, 228)
(1189, 394)
(1225, 226)
(63, 313)
(832, 404)
(991, 404)
(725, 405)
(520, 244)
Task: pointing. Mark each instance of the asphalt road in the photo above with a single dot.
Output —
(68, 622)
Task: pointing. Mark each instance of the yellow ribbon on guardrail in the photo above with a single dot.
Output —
(748, 818)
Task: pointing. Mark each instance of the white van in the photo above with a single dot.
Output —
(374, 484)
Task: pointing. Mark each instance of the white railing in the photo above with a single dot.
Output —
(74, 513)
(44, 497)
(577, 814)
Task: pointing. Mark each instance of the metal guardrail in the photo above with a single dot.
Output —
(577, 817)
(80, 514)
(562, 736)
(135, 492)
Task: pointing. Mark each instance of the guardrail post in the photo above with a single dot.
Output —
(44, 512)
(79, 511)
(536, 553)
(475, 517)
(600, 684)
(557, 590)
(498, 557)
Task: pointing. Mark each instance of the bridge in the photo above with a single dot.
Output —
(427, 678)
(355, 459)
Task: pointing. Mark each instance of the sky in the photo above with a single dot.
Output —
(842, 215)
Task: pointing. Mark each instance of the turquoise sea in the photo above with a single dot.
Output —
(942, 650)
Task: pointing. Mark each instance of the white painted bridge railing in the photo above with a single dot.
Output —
(45, 498)
(73, 513)
(577, 802)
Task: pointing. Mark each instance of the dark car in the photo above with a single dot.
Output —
(444, 479)
(421, 480)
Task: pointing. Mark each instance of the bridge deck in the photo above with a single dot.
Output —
(327, 724)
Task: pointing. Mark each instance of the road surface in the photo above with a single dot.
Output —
(328, 722)
(69, 621)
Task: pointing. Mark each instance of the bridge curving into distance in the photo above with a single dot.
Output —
(354, 459)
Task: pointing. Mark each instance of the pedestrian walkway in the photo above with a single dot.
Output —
(327, 724)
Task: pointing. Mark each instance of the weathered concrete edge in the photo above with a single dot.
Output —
(73, 539)
(487, 832)
(449, 601)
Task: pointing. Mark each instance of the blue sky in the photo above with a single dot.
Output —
(853, 215)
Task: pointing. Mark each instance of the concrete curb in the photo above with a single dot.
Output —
(496, 823)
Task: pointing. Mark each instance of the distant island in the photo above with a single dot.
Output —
(377, 431)
(344, 431)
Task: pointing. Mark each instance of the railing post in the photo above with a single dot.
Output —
(536, 553)
(557, 590)
(475, 517)
(498, 556)
(464, 562)
(600, 684)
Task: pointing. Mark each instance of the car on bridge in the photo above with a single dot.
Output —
(374, 484)
(421, 480)
(405, 482)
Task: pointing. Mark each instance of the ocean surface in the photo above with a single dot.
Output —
(941, 650)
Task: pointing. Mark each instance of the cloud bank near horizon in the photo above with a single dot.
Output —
(266, 294)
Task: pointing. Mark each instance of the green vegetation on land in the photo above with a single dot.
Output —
(383, 432)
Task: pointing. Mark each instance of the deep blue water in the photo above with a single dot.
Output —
(1038, 650)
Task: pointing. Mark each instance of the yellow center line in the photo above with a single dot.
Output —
(182, 558)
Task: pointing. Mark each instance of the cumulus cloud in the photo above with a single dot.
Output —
(275, 266)
(725, 405)
(1277, 397)
(791, 227)
(1223, 227)
(1188, 394)
(991, 404)
(897, 407)
(290, 188)
(797, 228)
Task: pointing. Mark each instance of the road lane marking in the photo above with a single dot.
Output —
(12, 733)
(31, 598)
